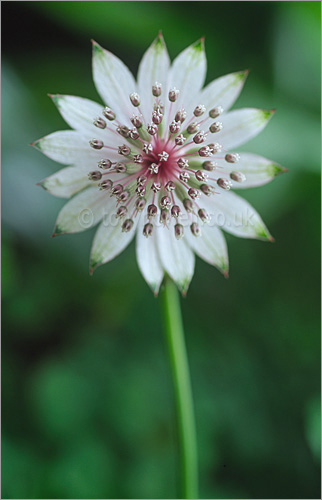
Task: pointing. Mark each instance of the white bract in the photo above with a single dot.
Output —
(158, 161)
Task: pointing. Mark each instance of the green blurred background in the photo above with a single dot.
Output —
(87, 406)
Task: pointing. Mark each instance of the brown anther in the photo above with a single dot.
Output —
(140, 204)
(148, 230)
(127, 225)
(207, 190)
(209, 165)
(96, 175)
(170, 186)
(214, 112)
(152, 211)
(193, 128)
(121, 212)
(105, 164)
(96, 144)
(178, 231)
(106, 184)
(199, 110)
(99, 122)
(194, 193)
(120, 168)
(175, 211)
(232, 157)
(215, 127)
(224, 184)
(195, 229)
(165, 202)
(238, 176)
(108, 113)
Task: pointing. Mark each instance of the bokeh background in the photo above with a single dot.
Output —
(87, 406)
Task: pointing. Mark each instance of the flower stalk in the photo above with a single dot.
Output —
(182, 390)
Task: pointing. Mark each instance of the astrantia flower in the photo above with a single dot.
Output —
(158, 161)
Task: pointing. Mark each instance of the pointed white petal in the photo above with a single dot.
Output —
(80, 113)
(210, 246)
(70, 147)
(176, 257)
(223, 91)
(257, 169)
(235, 215)
(66, 182)
(148, 258)
(83, 211)
(242, 125)
(188, 73)
(110, 241)
(153, 68)
(114, 82)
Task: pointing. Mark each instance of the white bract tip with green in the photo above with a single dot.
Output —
(157, 160)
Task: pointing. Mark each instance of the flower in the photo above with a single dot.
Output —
(158, 161)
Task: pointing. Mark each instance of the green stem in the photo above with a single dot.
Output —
(182, 390)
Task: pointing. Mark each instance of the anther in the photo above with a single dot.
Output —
(188, 205)
(124, 196)
(178, 231)
(170, 186)
(135, 99)
(136, 121)
(199, 137)
(205, 151)
(159, 107)
(127, 225)
(108, 113)
(193, 128)
(154, 168)
(237, 176)
(184, 176)
(173, 94)
(96, 144)
(117, 190)
(152, 128)
(209, 165)
(180, 140)
(134, 134)
(199, 110)
(175, 211)
(124, 150)
(147, 148)
(224, 184)
(157, 117)
(148, 230)
(232, 157)
(140, 191)
(203, 214)
(164, 216)
(195, 229)
(156, 186)
(201, 176)
(181, 115)
(152, 211)
(214, 112)
(163, 156)
(182, 163)
(121, 212)
(105, 164)
(106, 184)
(174, 127)
(207, 190)
(216, 127)
(140, 204)
(138, 158)
(194, 193)
(165, 202)
(96, 175)
(215, 147)
(123, 130)
(156, 89)
(99, 122)
(141, 180)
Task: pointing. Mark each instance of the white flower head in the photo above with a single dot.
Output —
(161, 193)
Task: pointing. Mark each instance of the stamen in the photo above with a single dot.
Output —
(157, 117)
(237, 176)
(106, 184)
(209, 165)
(193, 128)
(215, 148)
(152, 211)
(170, 186)
(141, 180)
(134, 134)
(123, 130)
(99, 122)
(205, 151)
(184, 176)
(124, 150)
(135, 99)
(207, 190)
(182, 163)
(138, 158)
(175, 211)
(175, 127)
(188, 205)
(140, 204)
(154, 168)
(157, 89)
(199, 137)
(181, 115)
(147, 148)
(96, 144)
(116, 190)
(141, 190)
(136, 121)
(121, 212)
(194, 193)
(232, 157)
(201, 176)
(214, 112)
(96, 175)
(156, 186)
(203, 214)
(178, 231)
(165, 202)
(216, 127)
(224, 184)
(199, 110)
(164, 216)
(163, 156)
(124, 196)
(108, 113)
